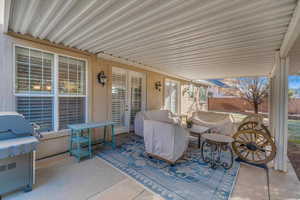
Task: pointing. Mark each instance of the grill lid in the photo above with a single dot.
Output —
(14, 125)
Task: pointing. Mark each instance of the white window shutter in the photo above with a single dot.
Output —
(119, 92)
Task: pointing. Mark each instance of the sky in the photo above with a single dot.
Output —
(294, 82)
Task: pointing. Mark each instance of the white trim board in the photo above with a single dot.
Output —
(139, 65)
(292, 33)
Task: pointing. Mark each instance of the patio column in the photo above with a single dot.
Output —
(279, 110)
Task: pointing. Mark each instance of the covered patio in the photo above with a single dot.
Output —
(120, 47)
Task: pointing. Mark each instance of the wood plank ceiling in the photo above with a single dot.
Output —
(195, 39)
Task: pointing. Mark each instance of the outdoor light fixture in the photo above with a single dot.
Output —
(158, 85)
(102, 78)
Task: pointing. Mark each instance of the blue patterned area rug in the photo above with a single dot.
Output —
(190, 179)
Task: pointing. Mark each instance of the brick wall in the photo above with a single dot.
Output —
(294, 106)
(236, 104)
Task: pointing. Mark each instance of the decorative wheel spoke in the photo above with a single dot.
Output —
(258, 156)
(247, 138)
(247, 154)
(240, 142)
(253, 145)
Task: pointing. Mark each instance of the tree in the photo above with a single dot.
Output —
(253, 90)
(291, 93)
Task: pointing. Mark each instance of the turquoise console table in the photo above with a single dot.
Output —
(81, 138)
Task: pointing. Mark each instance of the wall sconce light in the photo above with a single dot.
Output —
(102, 78)
(158, 85)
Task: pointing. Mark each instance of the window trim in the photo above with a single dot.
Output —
(55, 94)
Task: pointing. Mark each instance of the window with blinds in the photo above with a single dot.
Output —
(33, 71)
(71, 111)
(136, 97)
(38, 110)
(119, 92)
(34, 86)
(72, 91)
(36, 96)
(71, 76)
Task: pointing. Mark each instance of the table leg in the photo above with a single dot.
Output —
(228, 165)
(71, 143)
(203, 154)
(113, 136)
(218, 159)
(90, 142)
(78, 144)
(212, 161)
(104, 135)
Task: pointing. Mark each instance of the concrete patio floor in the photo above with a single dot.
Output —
(62, 178)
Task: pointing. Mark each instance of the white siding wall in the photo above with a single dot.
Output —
(7, 101)
(51, 144)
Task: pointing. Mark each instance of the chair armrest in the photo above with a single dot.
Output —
(160, 122)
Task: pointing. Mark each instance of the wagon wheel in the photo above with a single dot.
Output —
(253, 118)
(254, 146)
(254, 126)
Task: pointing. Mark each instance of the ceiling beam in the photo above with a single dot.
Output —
(47, 43)
(140, 65)
(292, 33)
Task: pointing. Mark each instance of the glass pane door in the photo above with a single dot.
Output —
(137, 95)
(119, 99)
(128, 97)
(172, 95)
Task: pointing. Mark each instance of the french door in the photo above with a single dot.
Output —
(128, 97)
(172, 95)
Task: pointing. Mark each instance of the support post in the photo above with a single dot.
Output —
(270, 105)
(279, 113)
